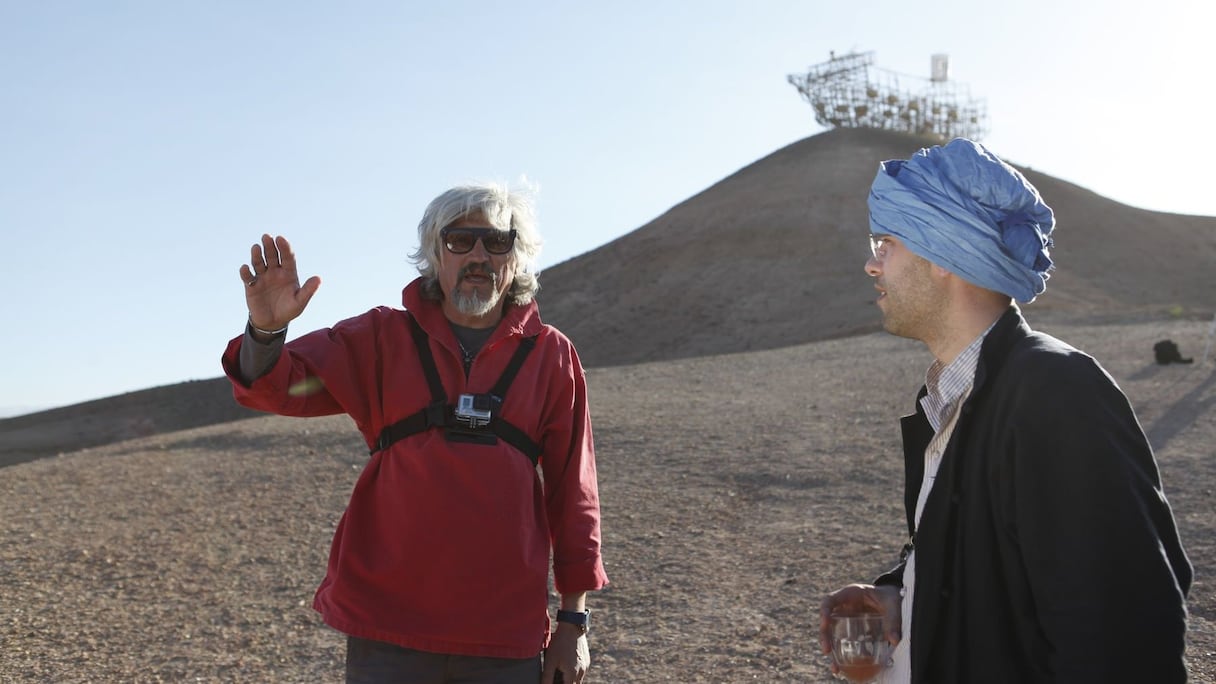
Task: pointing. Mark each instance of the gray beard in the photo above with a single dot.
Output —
(473, 304)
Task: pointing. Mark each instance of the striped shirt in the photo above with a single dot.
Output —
(947, 385)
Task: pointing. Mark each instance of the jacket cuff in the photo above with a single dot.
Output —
(576, 577)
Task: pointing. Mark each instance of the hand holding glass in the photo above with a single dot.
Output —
(859, 646)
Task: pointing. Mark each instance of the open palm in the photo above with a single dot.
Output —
(273, 292)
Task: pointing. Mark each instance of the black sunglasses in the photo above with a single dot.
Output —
(462, 240)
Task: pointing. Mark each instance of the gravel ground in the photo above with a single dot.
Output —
(736, 491)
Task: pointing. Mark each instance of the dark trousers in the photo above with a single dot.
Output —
(375, 662)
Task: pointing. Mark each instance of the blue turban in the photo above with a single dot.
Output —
(962, 208)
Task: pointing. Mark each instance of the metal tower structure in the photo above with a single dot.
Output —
(850, 92)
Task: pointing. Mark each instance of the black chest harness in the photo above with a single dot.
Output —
(475, 417)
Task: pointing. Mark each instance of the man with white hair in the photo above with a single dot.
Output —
(439, 568)
(1041, 546)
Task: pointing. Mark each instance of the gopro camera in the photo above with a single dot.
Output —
(474, 410)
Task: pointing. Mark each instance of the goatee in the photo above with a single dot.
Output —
(473, 304)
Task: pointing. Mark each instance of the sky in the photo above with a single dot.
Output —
(144, 146)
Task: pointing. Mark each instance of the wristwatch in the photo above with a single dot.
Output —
(582, 620)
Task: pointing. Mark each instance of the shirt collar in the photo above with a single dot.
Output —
(945, 384)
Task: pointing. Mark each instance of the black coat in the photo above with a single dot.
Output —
(1046, 550)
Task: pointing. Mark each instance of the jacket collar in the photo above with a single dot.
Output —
(1005, 333)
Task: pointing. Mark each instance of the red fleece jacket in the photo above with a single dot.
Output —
(445, 546)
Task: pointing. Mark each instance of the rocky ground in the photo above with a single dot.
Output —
(736, 491)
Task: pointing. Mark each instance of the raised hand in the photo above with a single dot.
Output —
(273, 292)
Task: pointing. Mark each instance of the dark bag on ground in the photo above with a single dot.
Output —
(1167, 352)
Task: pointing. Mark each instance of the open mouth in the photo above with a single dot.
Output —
(477, 278)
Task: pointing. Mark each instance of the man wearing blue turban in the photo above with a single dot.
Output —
(1041, 545)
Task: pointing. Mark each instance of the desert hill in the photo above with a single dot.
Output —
(114, 419)
(772, 256)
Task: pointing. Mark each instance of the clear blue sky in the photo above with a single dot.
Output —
(145, 145)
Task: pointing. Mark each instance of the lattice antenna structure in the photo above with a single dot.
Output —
(850, 92)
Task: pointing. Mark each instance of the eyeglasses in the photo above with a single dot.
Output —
(879, 246)
(462, 240)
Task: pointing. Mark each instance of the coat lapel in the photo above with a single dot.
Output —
(937, 536)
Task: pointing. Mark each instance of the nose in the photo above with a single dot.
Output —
(873, 267)
(479, 251)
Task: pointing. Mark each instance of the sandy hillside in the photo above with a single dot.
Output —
(772, 255)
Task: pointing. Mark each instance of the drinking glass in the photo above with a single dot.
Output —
(859, 646)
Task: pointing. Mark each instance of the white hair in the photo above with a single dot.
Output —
(504, 208)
